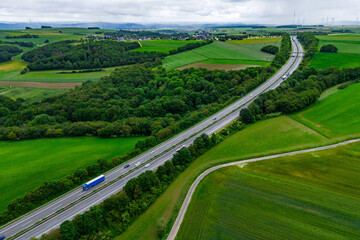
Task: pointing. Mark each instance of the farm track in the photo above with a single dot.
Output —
(187, 200)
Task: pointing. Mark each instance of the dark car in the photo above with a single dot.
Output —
(2, 237)
(126, 166)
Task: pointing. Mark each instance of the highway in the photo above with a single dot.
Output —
(155, 157)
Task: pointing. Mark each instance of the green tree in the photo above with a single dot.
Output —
(246, 116)
(68, 230)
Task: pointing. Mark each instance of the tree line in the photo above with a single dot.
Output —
(22, 36)
(310, 44)
(21, 44)
(7, 52)
(283, 55)
(300, 90)
(93, 54)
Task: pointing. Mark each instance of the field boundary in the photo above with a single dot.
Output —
(176, 226)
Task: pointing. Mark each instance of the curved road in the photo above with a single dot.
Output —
(78, 201)
(184, 206)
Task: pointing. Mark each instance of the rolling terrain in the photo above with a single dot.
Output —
(306, 196)
(221, 53)
(227, 115)
(277, 135)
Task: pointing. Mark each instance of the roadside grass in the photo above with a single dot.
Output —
(307, 196)
(56, 76)
(282, 134)
(326, 60)
(217, 51)
(30, 95)
(22, 162)
(348, 51)
(335, 116)
(162, 45)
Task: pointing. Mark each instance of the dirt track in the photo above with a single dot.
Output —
(48, 85)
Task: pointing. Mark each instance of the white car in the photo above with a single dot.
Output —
(284, 77)
(137, 164)
(152, 153)
(147, 165)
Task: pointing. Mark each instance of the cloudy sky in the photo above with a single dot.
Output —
(184, 11)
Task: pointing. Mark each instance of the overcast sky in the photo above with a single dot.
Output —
(171, 11)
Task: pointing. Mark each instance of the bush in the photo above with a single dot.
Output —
(329, 49)
(270, 49)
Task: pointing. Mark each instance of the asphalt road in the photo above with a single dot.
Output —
(184, 206)
(86, 199)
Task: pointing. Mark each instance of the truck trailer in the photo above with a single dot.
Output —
(93, 182)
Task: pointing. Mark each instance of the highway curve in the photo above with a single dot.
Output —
(77, 201)
(184, 206)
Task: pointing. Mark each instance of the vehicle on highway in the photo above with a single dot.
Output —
(127, 165)
(214, 118)
(2, 237)
(152, 153)
(284, 77)
(147, 165)
(93, 182)
(137, 164)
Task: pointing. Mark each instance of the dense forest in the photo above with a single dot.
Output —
(7, 52)
(92, 54)
(131, 101)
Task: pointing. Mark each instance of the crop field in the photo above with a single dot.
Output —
(56, 76)
(217, 51)
(347, 56)
(22, 161)
(308, 196)
(335, 116)
(282, 134)
(162, 45)
(30, 95)
(237, 62)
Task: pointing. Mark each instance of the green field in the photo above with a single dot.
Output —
(239, 62)
(219, 51)
(24, 161)
(30, 95)
(56, 76)
(282, 134)
(347, 56)
(307, 196)
(162, 45)
(335, 116)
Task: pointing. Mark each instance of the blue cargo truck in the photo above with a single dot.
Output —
(93, 182)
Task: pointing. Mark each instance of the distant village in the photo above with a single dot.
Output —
(133, 36)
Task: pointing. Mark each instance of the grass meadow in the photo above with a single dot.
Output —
(348, 55)
(163, 46)
(22, 162)
(307, 196)
(56, 76)
(282, 134)
(220, 52)
(30, 95)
